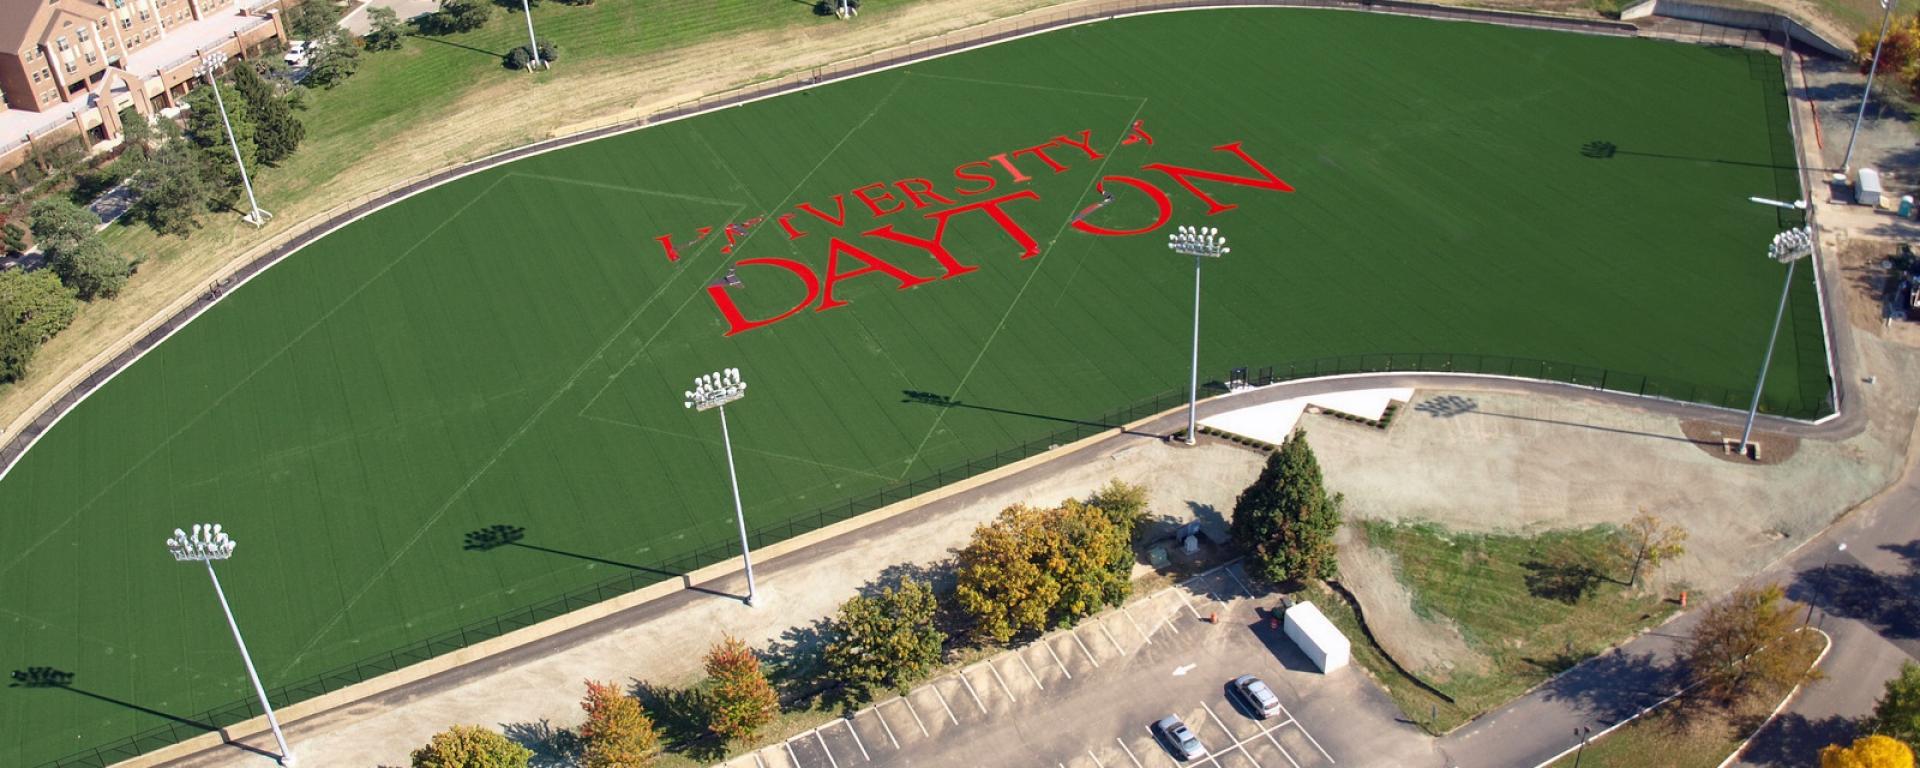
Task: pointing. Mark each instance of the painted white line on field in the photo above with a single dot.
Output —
(882, 717)
(1123, 748)
(1304, 732)
(1111, 639)
(1136, 625)
(1096, 759)
(943, 705)
(1003, 681)
(971, 692)
(824, 748)
(1056, 658)
(856, 739)
(1023, 662)
(1083, 648)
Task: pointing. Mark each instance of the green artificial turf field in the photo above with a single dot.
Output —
(510, 349)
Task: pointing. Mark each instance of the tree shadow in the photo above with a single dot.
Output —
(942, 401)
(1848, 589)
(678, 713)
(796, 664)
(1447, 406)
(1794, 740)
(1561, 577)
(497, 536)
(50, 678)
(1450, 406)
(1613, 685)
(552, 747)
(1607, 150)
(425, 38)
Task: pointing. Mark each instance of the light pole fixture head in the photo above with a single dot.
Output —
(207, 542)
(211, 64)
(716, 389)
(1791, 245)
(1198, 241)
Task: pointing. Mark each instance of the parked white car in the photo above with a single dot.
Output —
(297, 53)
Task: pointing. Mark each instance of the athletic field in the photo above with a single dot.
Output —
(511, 349)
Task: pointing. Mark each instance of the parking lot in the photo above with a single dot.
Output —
(1085, 698)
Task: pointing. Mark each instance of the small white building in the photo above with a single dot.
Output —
(1867, 191)
(1317, 637)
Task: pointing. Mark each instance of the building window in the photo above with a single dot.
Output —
(61, 42)
(83, 35)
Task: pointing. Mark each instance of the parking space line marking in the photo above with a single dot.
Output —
(1136, 625)
(883, 725)
(943, 705)
(1123, 748)
(1023, 662)
(1111, 639)
(790, 755)
(1276, 745)
(970, 691)
(1167, 620)
(1083, 648)
(757, 761)
(1310, 739)
(1056, 658)
(856, 739)
(1238, 743)
(1236, 580)
(1003, 681)
(1096, 759)
(824, 748)
(1187, 600)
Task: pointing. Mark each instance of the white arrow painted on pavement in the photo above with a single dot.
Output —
(1183, 669)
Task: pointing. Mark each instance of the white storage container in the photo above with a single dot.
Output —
(1317, 637)
(1866, 191)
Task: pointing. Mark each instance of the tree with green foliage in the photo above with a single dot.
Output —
(1874, 751)
(1034, 568)
(1646, 542)
(736, 700)
(209, 135)
(12, 238)
(618, 733)
(1897, 714)
(276, 131)
(91, 269)
(33, 307)
(519, 58)
(1125, 503)
(335, 58)
(312, 19)
(136, 135)
(58, 224)
(173, 191)
(386, 32)
(1286, 520)
(886, 641)
(1747, 643)
(471, 746)
(456, 16)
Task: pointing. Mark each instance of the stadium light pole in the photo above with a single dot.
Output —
(1200, 243)
(208, 66)
(206, 544)
(714, 391)
(1788, 247)
(1886, 19)
(533, 43)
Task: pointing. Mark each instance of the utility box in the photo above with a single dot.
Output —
(1317, 637)
(1866, 190)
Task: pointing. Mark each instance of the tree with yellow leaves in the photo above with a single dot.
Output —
(1868, 752)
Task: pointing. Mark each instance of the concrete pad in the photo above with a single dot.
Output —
(1273, 422)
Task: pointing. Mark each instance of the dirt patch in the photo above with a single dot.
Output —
(1433, 649)
(1722, 441)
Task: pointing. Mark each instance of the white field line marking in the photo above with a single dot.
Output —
(1023, 662)
(1083, 648)
(971, 692)
(1003, 681)
(1056, 658)
(1136, 625)
(1123, 748)
(1111, 639)
(943, 705)
(1304, 732)
(1096, 759)
(878, 715)
(824, 748)
(620, 188)
(1099, 172)
(856, 739)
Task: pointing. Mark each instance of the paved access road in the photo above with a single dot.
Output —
(1083, 698)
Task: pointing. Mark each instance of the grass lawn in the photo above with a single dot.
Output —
(1513, 599)
(511, 348)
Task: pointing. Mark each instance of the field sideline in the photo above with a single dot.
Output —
(510, 349)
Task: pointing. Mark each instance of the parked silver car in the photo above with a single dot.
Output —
(1257, 696)
(1179, 738)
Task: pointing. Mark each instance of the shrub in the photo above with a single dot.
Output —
(470, 746)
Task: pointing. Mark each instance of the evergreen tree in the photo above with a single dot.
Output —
(136, 135)
(33, 307)
(214, 158)
(1897, 714)
(173, 191)
(276, 131)
(312, 19)
(1286, 520)
(91, 269)
(886, 641)
(387, 32)
(737, 700)
(335, 58)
